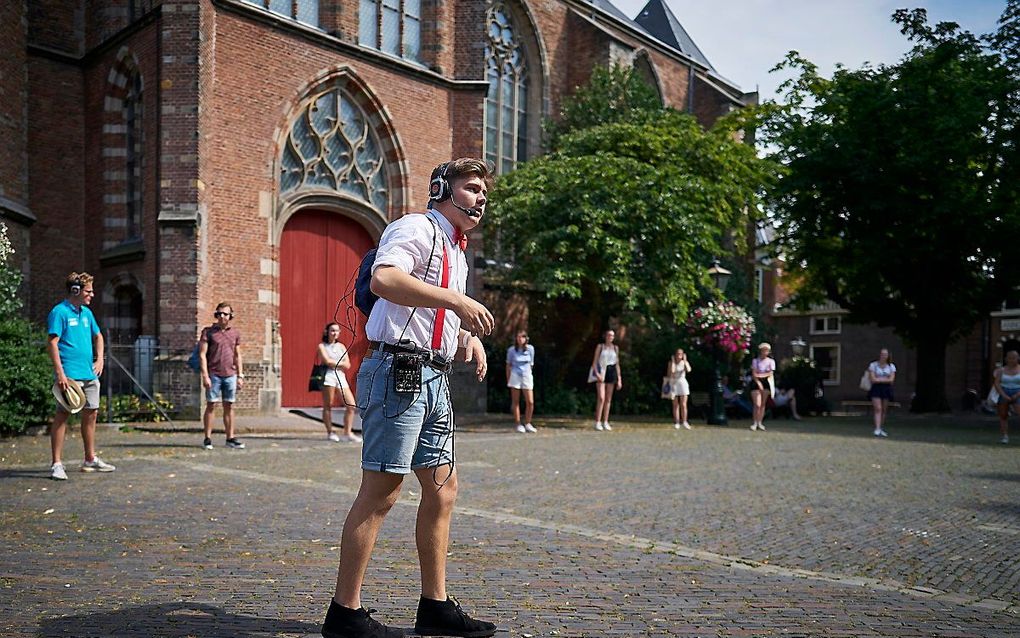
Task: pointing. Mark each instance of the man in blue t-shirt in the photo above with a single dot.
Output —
(76, 347)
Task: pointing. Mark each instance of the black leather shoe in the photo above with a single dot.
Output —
(342, 622)
(446, 618)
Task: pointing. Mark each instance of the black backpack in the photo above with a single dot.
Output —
(364, 298)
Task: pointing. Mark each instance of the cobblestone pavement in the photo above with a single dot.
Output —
(808, 529)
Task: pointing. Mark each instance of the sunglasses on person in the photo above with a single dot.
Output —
(219, 314)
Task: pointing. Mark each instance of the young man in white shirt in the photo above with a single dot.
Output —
(420, 324)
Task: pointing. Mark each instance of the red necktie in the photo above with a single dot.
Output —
(437, 329)
(460, 239)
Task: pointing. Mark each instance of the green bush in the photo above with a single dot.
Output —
(26, 376)
(128, 408)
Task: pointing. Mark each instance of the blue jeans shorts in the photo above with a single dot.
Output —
(1010, 396)
(222, 389)
(403, 432)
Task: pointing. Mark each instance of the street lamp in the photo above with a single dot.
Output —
(798, 345)
(720, 277)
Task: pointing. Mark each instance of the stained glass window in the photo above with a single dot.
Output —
(331, 146)
(506, 117)
(392, 26)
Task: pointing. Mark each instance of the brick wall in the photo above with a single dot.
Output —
(56, 167)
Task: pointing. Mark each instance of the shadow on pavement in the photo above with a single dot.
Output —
(42, 473)
(173, 620)
(998, 476)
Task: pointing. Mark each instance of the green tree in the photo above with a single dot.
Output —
(25, 371)
(900, 196)
(613, 94)
(624, 216)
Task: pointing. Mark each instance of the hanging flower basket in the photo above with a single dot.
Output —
(723, 327)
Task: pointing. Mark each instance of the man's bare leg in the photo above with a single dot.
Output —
(432, 529)
(378, 493)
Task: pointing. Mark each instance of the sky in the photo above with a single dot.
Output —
(743, 39)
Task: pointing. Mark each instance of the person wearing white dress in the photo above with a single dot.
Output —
(676, 370)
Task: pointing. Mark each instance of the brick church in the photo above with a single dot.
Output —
(188, 152)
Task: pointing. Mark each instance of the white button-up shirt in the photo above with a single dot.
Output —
(414, 244)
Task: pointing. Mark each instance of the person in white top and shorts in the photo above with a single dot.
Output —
(420, 324)
(520, 362)
(607, 376)
(333, 354)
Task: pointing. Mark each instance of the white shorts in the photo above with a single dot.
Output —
(335, 379)
(520, 381)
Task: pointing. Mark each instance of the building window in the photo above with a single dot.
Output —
(331, 146)
(759, 284)
(826, 358)
(305, 11)
(826, 325)
(506, 120)
(391, 26)
(134, 154)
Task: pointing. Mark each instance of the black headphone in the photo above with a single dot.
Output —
(439, 188)
(75, 287)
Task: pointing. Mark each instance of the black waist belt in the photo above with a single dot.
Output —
(428, 357)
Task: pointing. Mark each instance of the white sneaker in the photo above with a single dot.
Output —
(1004, 440)
(761, 426)
(754, 426)
(57, 472)
(354, 438)
(598, 426)
(96, 465)
(333, 436)
(521, 428)
(607, 426)
(883, 433)
(530, 428)
(676, 426)
(687, 426)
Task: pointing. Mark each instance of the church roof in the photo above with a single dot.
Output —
(658, 21)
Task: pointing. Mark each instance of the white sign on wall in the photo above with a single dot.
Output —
(1009, 324)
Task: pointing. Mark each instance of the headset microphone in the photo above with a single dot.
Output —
(470, 212)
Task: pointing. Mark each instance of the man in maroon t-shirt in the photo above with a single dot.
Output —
(219, 353)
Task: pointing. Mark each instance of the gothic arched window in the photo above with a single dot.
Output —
(506, 115)
(331, 146)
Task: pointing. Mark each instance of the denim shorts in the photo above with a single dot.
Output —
(403, 432)
(222, 389)
(1010, 396)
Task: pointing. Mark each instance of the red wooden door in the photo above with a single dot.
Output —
(319, 257)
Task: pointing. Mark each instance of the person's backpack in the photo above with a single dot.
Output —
(193, 361)
(364, 298)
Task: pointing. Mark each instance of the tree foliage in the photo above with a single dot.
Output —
(613, 94)
(900, 194)
(625, 215)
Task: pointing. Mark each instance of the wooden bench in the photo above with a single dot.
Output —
(853, 406)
